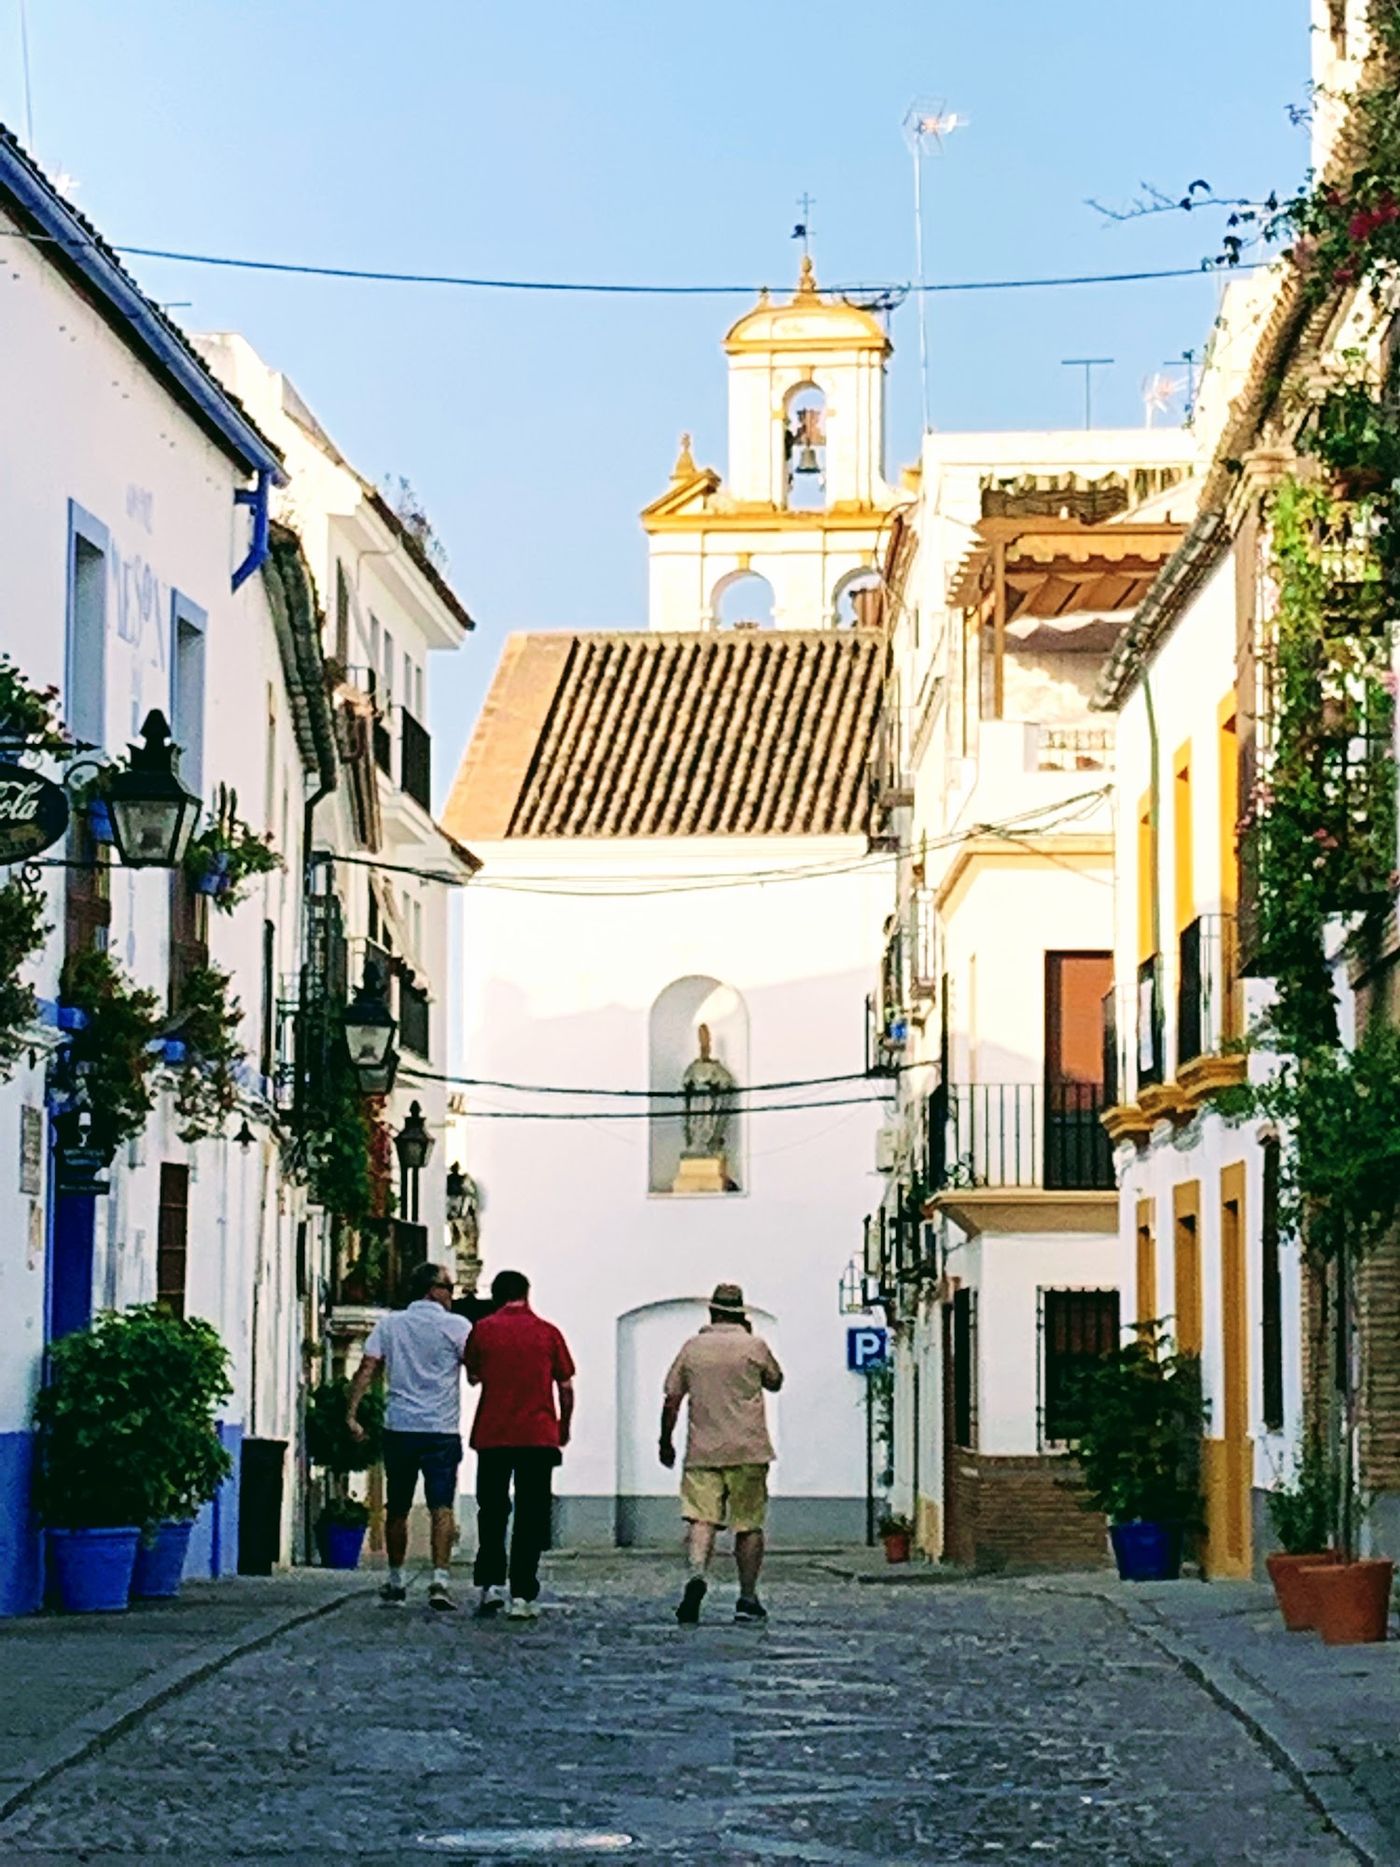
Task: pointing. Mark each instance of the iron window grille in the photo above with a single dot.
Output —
(965, 1369)
(1150, 1063)
(1074, 1329)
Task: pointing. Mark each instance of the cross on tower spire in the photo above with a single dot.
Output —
(803, 230)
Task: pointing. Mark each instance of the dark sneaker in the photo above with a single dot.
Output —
(440, 1597)
(688, 1613)
(393, 1594)
(750, 1608)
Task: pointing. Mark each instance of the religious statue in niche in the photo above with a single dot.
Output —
(708, 1089)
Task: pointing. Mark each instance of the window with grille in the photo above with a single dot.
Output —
(965, 1368)
(1078, 1328)
(413, 1019)
(172, 1237)
(1271, 1295)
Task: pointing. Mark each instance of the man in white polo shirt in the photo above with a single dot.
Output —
(421, 1350)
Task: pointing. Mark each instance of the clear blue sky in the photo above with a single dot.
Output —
(635, 141)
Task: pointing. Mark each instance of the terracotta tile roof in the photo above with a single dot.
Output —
(744, 733)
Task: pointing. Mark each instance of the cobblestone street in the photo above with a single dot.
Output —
(947, 1723)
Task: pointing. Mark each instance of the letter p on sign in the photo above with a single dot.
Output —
(867, 1349)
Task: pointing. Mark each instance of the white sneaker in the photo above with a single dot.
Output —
(522, 1610)
(493, 1599)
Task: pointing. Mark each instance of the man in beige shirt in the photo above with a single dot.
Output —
(723, 1373)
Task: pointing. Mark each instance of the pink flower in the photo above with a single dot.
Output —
(1390, 681)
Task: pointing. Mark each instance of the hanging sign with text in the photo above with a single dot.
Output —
(33, 813)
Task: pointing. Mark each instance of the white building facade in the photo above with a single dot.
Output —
(672, 826)
(132, 579)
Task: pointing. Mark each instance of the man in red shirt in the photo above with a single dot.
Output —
(519, 1361)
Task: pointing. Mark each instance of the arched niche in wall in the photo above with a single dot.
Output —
(857, 602)
(674, 1043)
(804, 448)
(742, 600)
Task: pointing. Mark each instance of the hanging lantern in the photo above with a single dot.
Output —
(152, 813)
(369, 1028)
(413, 1144)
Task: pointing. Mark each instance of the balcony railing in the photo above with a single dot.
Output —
(1150, 1062)
(1019, 1135)
(1073, 748)
(382, 1262)
(1109, 1025)
(886, 1037)
(416, 760)
(1205, 987)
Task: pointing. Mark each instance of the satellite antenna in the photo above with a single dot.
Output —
(926, 123)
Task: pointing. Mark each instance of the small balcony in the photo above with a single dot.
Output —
(886, 1037)
(1209, 1015)
(416, 760)
(380, 1263)
(1073, 748)
(1021, 1156)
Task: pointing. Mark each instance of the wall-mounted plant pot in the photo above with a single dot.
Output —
(1351, 1600)
(160, 1564)
(215, 879)
(1292, 1589)
(1146, 1552)
(93, 1568)
(99, 821)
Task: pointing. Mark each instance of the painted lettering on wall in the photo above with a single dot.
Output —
(141, 506)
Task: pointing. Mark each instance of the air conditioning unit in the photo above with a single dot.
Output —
(888, 1140)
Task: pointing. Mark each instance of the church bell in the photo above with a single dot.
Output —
(807, 461)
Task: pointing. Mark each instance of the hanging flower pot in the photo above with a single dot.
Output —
(99, 821)
(1351, 1600)
(215, 877)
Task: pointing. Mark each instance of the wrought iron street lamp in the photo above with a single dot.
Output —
(152, 813)
(413, 1144)
(369, 1032)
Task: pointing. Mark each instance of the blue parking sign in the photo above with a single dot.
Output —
(867, 1349)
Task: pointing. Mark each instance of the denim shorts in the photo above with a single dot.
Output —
(436, 1455)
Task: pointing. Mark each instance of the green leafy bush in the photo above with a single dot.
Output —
(23, 930)
(126, 1425)
(207, 1022)
(329, 1441)
(1303, 1511)
(1137, 1418)
(112, 1051)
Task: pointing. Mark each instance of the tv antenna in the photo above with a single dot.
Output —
(926, 123)
(1088, 365)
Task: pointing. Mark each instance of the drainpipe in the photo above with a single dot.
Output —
(257, 498)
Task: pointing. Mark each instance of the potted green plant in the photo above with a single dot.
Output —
(895, 1533)
(1302, 1513)
(106, 1423)
(1137, 1418)
(23, 930)
(110, 1049)
(341, 1525)
(189, 1361)
(206, 1025)
(226, 854)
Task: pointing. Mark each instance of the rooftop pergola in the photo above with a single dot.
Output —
(1060, 579)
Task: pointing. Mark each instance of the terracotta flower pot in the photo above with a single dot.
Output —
(1291, 1588)
(1351, 1600)
(897, 1546)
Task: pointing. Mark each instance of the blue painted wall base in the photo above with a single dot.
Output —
(21, 1559)
(214, 1539)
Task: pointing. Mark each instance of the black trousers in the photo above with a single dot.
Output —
(532, 1470)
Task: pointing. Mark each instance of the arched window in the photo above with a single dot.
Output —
(699, 1032)
(857, 602)
(804, 448)
(742, 600)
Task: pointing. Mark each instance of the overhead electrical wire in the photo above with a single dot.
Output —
(558, 1089)
(375, 275)
(649, 1115)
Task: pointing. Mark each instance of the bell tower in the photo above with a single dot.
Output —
(798, 521)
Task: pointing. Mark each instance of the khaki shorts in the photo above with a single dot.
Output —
(735, 1496)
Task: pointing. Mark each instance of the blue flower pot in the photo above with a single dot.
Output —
(216, 879)
(160, 1565)
(1147, 1552)
(100, 822)
(341, 1544)
(93, 1568)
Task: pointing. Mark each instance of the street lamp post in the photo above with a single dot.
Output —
(413, 1144)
